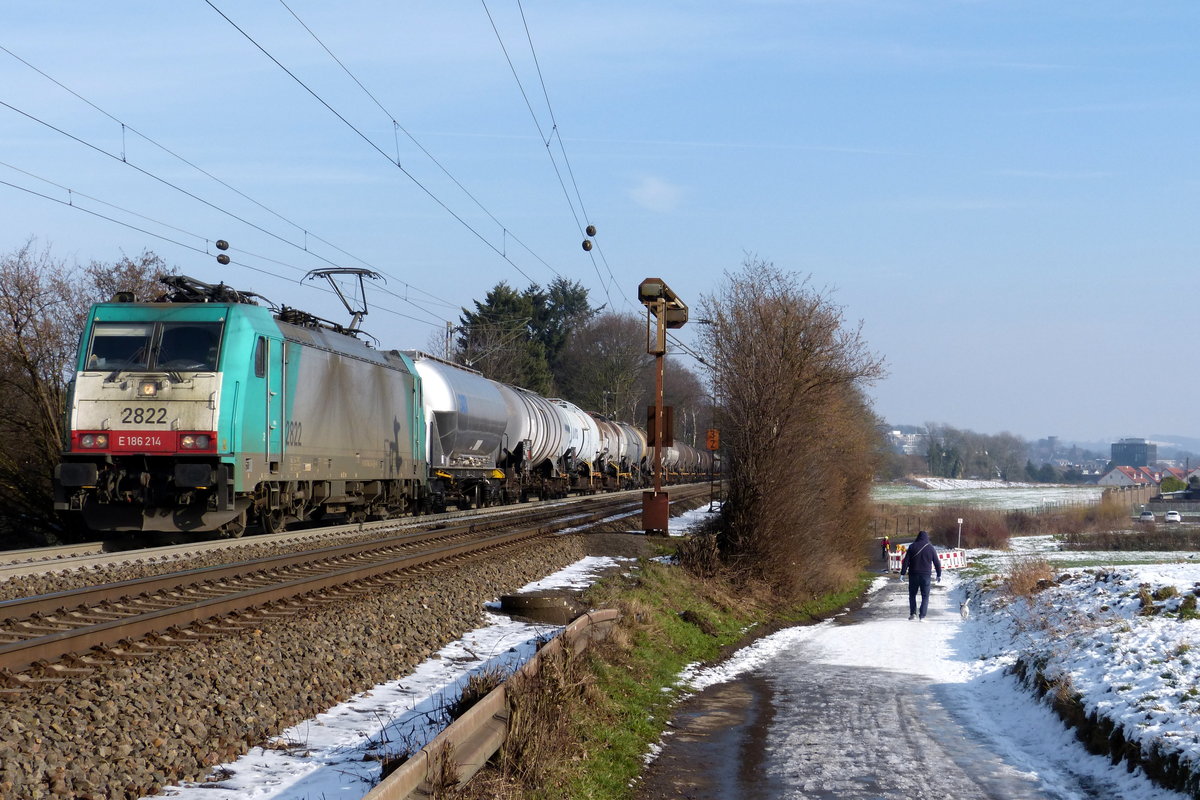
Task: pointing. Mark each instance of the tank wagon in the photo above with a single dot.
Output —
(205, 411)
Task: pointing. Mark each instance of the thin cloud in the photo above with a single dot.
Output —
(655, 194)
(1053, 174)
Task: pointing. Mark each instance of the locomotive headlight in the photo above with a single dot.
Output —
(195, 441)
(187, 441)
(148, 389)
(93, 440)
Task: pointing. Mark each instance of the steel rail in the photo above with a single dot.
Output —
(23, 607)
(99, 629)
(17, 656)
(35, 561)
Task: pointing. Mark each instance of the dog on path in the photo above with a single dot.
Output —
(964, 608)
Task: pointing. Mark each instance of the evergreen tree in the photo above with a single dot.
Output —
(520, 337)
(496, 339)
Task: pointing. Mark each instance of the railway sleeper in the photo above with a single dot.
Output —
(26, 682)
(66, 670)
(123, 654)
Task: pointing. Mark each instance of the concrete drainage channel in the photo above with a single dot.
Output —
(465, 746)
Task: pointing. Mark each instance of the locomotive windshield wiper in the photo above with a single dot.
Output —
(126, 364)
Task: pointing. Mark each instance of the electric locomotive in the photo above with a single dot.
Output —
(207, 411)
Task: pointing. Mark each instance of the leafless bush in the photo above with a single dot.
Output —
(1070, 520)
(1028, 576)
(980, 528)
(42, 305)
(799, 437)
(700, 555)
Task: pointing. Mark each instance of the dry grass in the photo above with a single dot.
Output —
(992, 529)
(1028, 576)
(540, 734)
(700, 554)
(540, 745)
(479, 685)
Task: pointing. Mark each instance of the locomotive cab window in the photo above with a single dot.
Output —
(120, 345)
(190, 346)
(175, 346)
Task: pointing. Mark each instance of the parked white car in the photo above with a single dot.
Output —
(1146, 516)
(1172, 516)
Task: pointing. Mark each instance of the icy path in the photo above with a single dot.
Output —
(873, 706)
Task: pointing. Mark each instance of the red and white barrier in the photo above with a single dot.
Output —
(951, 559)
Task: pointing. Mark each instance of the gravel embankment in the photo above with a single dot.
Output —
(147, 564)
(131, 729)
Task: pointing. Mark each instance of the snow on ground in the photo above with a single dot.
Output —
(1138, 669)
(931, 482)
(1142, 671)
(335, 756)
(1048, 547)
(984, 494)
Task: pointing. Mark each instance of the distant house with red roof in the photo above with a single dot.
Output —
(1129, 476)
(1174, 472)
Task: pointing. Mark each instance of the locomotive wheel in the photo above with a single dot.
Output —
(271, 520)
(235, 527)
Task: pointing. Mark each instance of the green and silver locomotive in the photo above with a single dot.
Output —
(206, 411)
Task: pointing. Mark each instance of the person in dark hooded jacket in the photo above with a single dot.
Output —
(920, 560)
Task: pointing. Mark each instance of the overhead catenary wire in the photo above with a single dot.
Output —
(556, 134)
(177, 188)
(307, 233)
(537, 124)
(507, 233)
(178, 243)
(503, 255)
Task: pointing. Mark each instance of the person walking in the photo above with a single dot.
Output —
(885, 545)
(919, 562)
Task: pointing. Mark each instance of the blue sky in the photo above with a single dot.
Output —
(1004, 193)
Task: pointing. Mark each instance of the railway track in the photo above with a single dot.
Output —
(49, 638)
(90, 555)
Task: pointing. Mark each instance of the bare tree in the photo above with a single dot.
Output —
(603, 363)
(43, 302)
(137, 275)
(797, 433)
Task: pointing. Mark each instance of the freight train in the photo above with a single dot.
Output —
(206, 411)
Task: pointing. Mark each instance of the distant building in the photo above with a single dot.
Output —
(1134, 453)
(908, 443)
(1129, 476)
